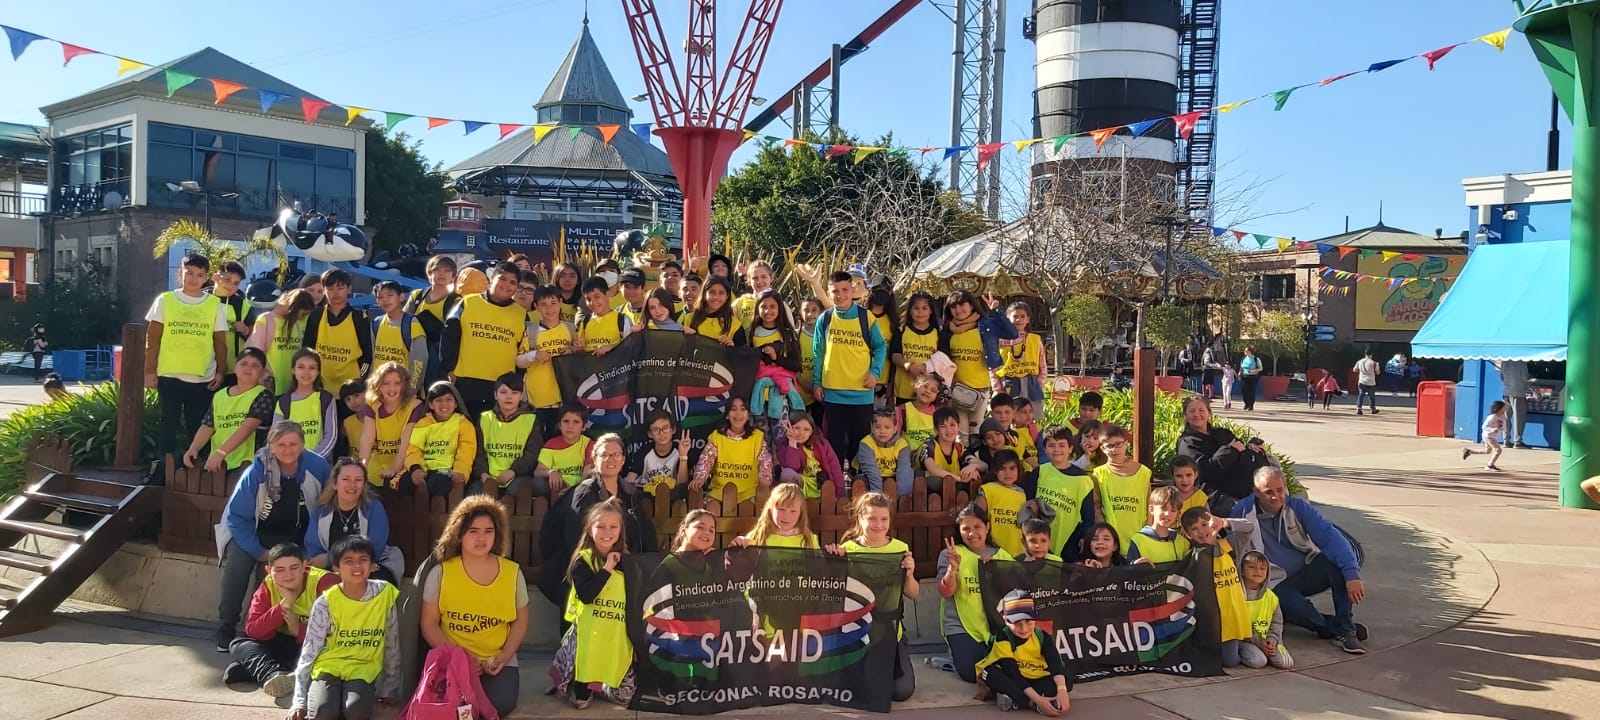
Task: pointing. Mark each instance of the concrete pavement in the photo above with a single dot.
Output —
(1478, 591)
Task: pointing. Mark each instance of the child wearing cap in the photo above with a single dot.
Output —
(632, 281)
(1022, 667)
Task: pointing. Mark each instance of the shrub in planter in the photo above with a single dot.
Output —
(87, 421)
(1118, 408)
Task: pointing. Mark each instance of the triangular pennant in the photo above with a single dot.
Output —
(747, 135)
(834, 151)
(1281, 97)
(863, 152)
(986, 152)
(1143, 126)
(1230, 107)
(769, 140)
(1385, 65)
(1389, 255)
(391, 119)
(951, 152)
(1186, 122)
(1324, 248)
(1284, 243)
(70, 51)
(791, 142)
(1395, 282)
(1217, 231)
(267, 97)
(1239, 235)
(469, 127)
(1101, 135)
(125, 65)
(20, 40)
(1058, 141)
(926, 150)
(900, 152)
(1302, 245)
(312, 107)
(352, 112)
(434, 122)
(1369, 253)
(1432, 56)
(1497, 39)
(643, 131)
(508, 128)
(178, 80)
(1344, 251)
(821, 148)
(1336, 78)
(539, 131)
(1410, 256)
(1025, 144)
(223, 89)
(574, 131)
(1261, 241)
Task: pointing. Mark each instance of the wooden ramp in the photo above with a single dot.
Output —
(103, 514)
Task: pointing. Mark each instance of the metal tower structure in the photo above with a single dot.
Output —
(700, 117)
(1197, 90)
(816, 104)
(976, 96)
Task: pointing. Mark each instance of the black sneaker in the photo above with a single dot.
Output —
(236, 673)
(1374, 411)
(225, 636)
(1361, 631)
(1349, 644)
(1522, 446)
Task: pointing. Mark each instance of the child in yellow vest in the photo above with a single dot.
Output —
(276, 622)
(870, 535)
(601, 330)
(351, 654)
(1159, 542)
(736, 455)
(340, 333)
(916, 416)
(546, 338)
(237, 415)
(389, 412)
(1023, 667)
(1123, 484)
(305, 402)
(1223, 539)
(1067, 490)
(885, 455)
(443, 446)
(397, 336)
(1036, 542)
(943, 454)
(1003, 500)
(352, 394)
(511, 441)
(782, 523)
(563, 458)
(1002, 409)
(595, 655)
(1265, 645)
(1185, 477)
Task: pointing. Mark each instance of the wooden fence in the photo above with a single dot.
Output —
(191, 506)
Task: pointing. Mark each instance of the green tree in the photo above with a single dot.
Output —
(405, 195)
(1280, 331)
(216, 250)
(79, 309)
(1085, 319)
(1167, 328)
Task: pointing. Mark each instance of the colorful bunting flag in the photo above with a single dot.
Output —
(1344, 251)
(508, 128)
(70, 51)
(1186, 122)
(791, 142)
(469, 127)
(1389, 255)
(1230, 107)
(863, 152)
(1284, 243)
(20, 40)
(610, 131)
(834, 151)
(352, 112)
(1101, 135)
(1385, 65)
(1058, 141)
(1023, 145)
(539, 131)
(1217, 231)
(178, 80)
(391, 119)
(643, 131)
(1324, 248)
(312, 107)
(1496, 39)
(1143, 126)
(1432, 56)
(1280, 97)
(1336, 78)
(926, 150)
(951, 152)
(267, 97)
(1238, 235)
(1261, 241)
(223, 89)
(574, 131)
(434, 122)
(125, 65)
(986, 152)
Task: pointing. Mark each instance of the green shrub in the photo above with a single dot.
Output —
(1118, 408)
(87, 421)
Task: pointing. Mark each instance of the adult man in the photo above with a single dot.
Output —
(1308, 555)
(1514, 376)
(850, 353)
(481, 338)
(1367, 382)
(186, 337)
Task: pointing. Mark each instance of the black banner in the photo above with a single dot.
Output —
(752, 627)
(687, 375)
(1121, 620)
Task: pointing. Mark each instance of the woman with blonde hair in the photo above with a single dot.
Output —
(476, 598)
(348, 507)
(563, 526)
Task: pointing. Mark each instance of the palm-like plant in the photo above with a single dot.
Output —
(217, 250)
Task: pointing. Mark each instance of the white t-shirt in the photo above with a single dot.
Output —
(1367, 371)
(221, 325)
(1494, 428)
(656, 470)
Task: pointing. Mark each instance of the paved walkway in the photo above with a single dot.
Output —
(1479, 597)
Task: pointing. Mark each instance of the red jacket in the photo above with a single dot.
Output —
(264, 618)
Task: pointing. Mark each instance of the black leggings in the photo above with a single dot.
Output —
(846, 425)
(965, 652)
(1005, 678)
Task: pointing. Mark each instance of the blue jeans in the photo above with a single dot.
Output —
(1294, 598)
(1370, 393)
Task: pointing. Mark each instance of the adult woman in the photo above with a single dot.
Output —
(280, 334)
(964, 623)
(237, 413)
(1226, 464)
(735, 454)
(1250, 369)
(564, 525)
(911, 347)
(476, 599)
(347, 507)
(971, 339)
(268, 506)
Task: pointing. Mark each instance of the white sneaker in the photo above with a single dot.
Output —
(1004, 702)
(279, 685)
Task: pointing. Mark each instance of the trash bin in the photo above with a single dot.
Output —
(1436, 409)
(71, 365)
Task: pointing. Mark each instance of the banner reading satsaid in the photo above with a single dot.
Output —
(689, 376)
(1401, 305)
(751, 627)
(1120, 620)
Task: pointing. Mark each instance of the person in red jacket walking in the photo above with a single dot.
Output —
(276, 623)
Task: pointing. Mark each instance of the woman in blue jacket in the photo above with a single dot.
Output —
(269, 506)
(348, 507)
(971, 337)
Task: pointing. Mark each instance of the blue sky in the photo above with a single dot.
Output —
(1404, 137)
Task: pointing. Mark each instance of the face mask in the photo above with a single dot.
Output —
(609, 277)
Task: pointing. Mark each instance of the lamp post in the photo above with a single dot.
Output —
(1310, 305)
(191, 187)
(1171, 225)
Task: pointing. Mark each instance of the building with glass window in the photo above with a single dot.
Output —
(129, 159)
(24, 166)
(577, 183)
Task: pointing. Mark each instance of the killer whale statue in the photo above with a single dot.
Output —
(318, 236)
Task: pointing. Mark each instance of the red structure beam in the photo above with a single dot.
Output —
(738, 82)
(782, 102)
(700, 48)
(655, 62)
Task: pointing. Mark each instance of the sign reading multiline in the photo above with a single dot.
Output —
(751, 627)
(1120, 620)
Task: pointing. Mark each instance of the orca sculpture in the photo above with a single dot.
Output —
(318, 236)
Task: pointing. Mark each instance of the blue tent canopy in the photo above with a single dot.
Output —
(1510, 303)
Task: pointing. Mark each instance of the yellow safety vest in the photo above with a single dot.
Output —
(916, 347)
(339, 349)
(712, 327)
(847, 355)
(281, 347)
(1027, 654)
(949, 463)
(302, 604)
(308, 412)
(1005, 503)
(478, 617)
(431, 307)
(1124, 500)
(1198, 499)
(808, 367)
(186, 332)
(966, 351)
(895, 546)
(437, 442)
(1022, 359)
(503, 441)
(568, 460)
(1230, 594)
(1027, 451)
(354, 650)
(888, 457)
(744, 310)
(231, 340)
(603, 651)
(1067, 494)
(919, 425)
(228, 412)
(389, 345)
(1261, 611)
(540, 379)
(490, 335)
(810, 475)
(1161, 551)
(600, 330)
(969, 594)
(737, 463)
(386, 439)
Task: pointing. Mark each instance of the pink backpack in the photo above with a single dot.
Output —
(449, 680)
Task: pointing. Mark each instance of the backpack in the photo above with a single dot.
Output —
(407, 321)
(449, 680)
(861, 315)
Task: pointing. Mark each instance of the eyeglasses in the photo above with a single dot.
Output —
(526, 290)
(1118, 445)
(661, 429)
(609, 455)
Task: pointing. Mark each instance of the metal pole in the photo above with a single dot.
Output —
(835, 60)
(999, 74)
(1305, 365)
(958, 83)
(205, 200)
(1552, 158)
